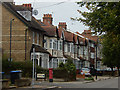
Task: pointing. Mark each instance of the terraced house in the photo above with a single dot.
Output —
(26, 34)
(53, 44)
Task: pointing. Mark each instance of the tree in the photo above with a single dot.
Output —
(111, 50)
(108, 57)
(102, 16)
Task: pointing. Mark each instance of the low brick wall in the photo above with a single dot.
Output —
(22, 82)
(80, 76)
(5, 83)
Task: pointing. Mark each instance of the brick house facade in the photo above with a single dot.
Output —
(26, 32)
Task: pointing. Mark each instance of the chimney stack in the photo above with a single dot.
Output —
(47, 19)
(62, 25)
(27, 5)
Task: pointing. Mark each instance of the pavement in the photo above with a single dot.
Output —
(50, 85)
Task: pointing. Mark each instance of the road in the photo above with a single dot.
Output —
(109, 83)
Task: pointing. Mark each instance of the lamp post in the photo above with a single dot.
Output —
(10, 35)
(96, 56)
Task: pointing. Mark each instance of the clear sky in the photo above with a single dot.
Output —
(61, 11)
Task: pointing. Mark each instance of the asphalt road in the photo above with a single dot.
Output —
(109, 83)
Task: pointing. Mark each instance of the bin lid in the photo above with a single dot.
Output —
(2, 72)
(16, 71)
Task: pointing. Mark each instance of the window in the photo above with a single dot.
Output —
(51, 43)
(46, 43)
(81, 50)
(92, 55)
(33, 37)
(68, 47)
(65, 47)
(85, 50)
(75, 49)
(92, 45)
(55, 44)
(60, 45)
(37, 38)
(72, 48)
(55, 63)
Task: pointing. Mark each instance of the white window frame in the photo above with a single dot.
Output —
(51, 44)
(68, 47)
(55, 44)
(72, 48)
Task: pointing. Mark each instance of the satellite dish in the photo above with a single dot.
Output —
(35, 12)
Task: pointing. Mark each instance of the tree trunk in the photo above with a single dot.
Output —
(118, 71)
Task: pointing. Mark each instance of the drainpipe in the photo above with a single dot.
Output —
(25, 42)
(10, 35)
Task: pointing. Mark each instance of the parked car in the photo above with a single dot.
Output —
(85, 71)
(100, 72)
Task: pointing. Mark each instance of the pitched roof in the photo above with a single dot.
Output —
(31, 24)
(50, 30)
(38, 49)
(21, 8)
(93, 38)
(68, 36)
(75, 38)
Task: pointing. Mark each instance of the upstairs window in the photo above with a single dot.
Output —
(72, 48)
(61, 46)
(45, 45)
(51, 43)
(68, 47)
(75, 49)
(55, 45)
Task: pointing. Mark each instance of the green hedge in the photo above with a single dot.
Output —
(66, 71)
(25, 66)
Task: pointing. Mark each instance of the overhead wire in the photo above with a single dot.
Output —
(51, 5)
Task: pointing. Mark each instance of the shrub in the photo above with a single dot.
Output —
(25, 66)
(66, 71)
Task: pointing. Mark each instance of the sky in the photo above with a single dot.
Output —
(61, 11)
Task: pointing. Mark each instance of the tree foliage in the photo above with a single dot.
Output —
(102, 16)
(70, 68)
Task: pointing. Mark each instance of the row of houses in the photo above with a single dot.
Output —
(53, 44)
